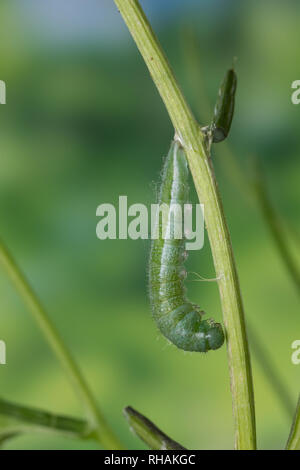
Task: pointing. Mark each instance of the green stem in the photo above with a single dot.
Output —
(294, 437)
(270, 371)
(105, 435)
(148, 432)
(235, 174)
(192, 139)
(16, 419)
(275, 225)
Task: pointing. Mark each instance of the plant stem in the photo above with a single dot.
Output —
(16, 419)
(275, 226)
(148, 432)
(105, 435)
(270, 371)
(192, 139)
(294, 437)
(242, 183)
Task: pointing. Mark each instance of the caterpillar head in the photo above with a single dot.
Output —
(214, 335)
(192, 333)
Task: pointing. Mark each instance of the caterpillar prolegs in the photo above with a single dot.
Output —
(179, 320)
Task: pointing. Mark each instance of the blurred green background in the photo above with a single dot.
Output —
(84, 124)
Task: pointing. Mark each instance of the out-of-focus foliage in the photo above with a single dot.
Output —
(84, 124)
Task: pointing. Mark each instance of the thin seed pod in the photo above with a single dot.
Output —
(149, 432)
(179, 320)
(224, 108)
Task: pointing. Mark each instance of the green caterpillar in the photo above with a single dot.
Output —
(224, 108)
(179, 320)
